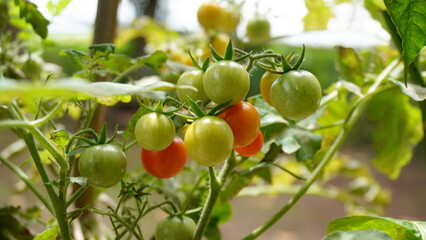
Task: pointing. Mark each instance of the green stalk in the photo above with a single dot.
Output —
(21, 174)
(215, 189)
(350, 120)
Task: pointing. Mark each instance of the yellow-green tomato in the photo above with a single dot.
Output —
(226, 80)
(193, 78)
(296, 94)
(175, 228)
(209, 141)
(258, 30)
(102, 165)
(266, 83)
(154, 131)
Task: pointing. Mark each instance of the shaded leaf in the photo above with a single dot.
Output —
(10, 227)
(410, 19)
(394, 148)
(106, 48)
(361, 234)
(349, 65)
(154, 61)
(32, 15)
(309, 142)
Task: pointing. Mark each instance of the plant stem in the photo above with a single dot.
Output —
(76, 195)
(215, 189)
(350, 120)
(21, 174)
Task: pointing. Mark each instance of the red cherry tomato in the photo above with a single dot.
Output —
(244, 121)
(166, 163)
(253, 148)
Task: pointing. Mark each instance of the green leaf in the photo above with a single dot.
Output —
(106, 48)
(414, 91)
(361, 234)
(309, 142)
(49, 234)
(349, 64)
(3, 14)
(155, 60)
(32, 15)
(318, 15)
(60, 137)
(222, 211)
(410, 19)
(398, 130)
(395, 228)
(55, 7)
(10, 228)
(82, 181)
(130, 128)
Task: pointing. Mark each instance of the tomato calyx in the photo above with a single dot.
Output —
(197, 110)
(229, 54)
(285, 65)
(204, 65)
(159, 108)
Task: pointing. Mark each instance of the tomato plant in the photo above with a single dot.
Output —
(166, 163)
(209, 141)
(226, 81)
(103, 165)
(154, 131)
(244, 122)
(252, 148)
(296, 94)
(175, 228)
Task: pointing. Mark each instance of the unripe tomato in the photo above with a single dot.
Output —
(154, 131)
(210, 14)
(244, 121)
(253, 148)
(102, 165)
(296, 94)
(266, 83)
(175, 228)
(258, 30)
(32, 69)
(192, 78)
(166, 163)
(226, 80)
(209, 141)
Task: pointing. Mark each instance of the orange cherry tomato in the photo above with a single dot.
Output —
(166, 163)
(253, 148)
(244, 121)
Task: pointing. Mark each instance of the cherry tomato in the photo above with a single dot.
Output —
(253, 148)
(258, 30)
(226, 80)
(209, 141)
(175, 228)
(166, 163)
(266, 83)
(220, 42)
(193, 78)
(102, 165)
(244, 121)
(154, 131)
(296, 94)
(210, 14)
(231, 19)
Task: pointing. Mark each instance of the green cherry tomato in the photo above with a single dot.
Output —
(175, 228)
(154, 131)
(226, 80)
(258, 30)
(102, 165)
(296, 94)
(193, 78)
(209, 141)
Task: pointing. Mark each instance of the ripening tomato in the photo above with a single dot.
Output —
(253, 148)
(175, 228)
(244, 121)
(225, 81)
(266, 83)
(154, 131)
(258, 30)
(166, 163)
(296, 94)
(210, 14)
(209, 141)
(192, 78)
(231, 19)
(102, 165)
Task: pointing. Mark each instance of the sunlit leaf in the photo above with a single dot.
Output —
(49, 234)
(56, 6)
(361, 234)
(60, 137)
(318, 15)
(414, 91)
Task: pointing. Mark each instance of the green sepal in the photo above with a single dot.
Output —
(102, 134)
(193, 60)
(144, 106)
(114, 135)
(285, 65)
(217, 109)
(159, 106)
(266, 68)
(300, 60)
(215, 55)
(205, 64)
(186, 117)
(88, 141)
(242, 58)
(195, 108)
(229, 51)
